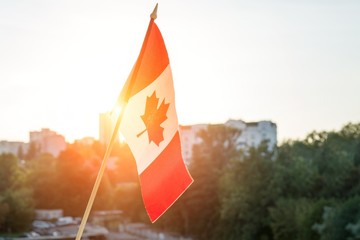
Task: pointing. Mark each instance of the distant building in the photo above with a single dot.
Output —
(252, 135)
(86, 141)
(111, 219)
(15, 148)
(189, 137)
(48, 141)
(48, 214)
(106, 126)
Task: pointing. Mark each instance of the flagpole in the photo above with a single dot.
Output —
(85, 217)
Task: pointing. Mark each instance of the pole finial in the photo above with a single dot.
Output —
(153, 15)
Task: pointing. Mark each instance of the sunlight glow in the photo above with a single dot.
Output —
(114, 114)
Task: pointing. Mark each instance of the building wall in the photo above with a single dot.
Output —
(13, 147)
(48, 141)
(188, 137)
(86, 141)
(48, 214)
(252, 135)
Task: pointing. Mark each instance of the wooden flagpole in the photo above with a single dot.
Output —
(115, 133)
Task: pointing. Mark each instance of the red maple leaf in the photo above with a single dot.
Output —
(153, 118)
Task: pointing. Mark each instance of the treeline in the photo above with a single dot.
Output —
(305, 190)
(45, 182)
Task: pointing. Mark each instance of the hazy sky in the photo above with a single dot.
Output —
(296, 63)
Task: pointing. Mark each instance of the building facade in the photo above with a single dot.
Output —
(47, 141)
(48, 214)
(189, 137)
(252, 135)
(15, 148)
(86, 141)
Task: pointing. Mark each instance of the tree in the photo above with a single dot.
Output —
(16, 204)
(317, 181)
(294, 218)
(246, 196)
(33, 151)
(295, 173)
(74, 180)
(44, 181)
(20, 153)
(338, 221)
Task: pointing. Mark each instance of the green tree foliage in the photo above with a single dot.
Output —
(20, 153)
(287, 217)
(128, 198)
(317, 181)
(16, 204)
(44, 181)
(340, 220)
(308, 190)
(294, 218)
(75, 178)
(323, 165)
(66, 182)
(210, 158)
(33, 151)
(295, 173)
(247, 195)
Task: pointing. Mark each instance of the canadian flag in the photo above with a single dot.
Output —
(150, 126)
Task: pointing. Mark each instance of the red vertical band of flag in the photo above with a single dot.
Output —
(150, 126)
(152, 60)
(166, 179)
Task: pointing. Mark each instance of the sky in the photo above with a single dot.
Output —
(296, 63)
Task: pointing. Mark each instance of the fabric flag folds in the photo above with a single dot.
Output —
(150, 126)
